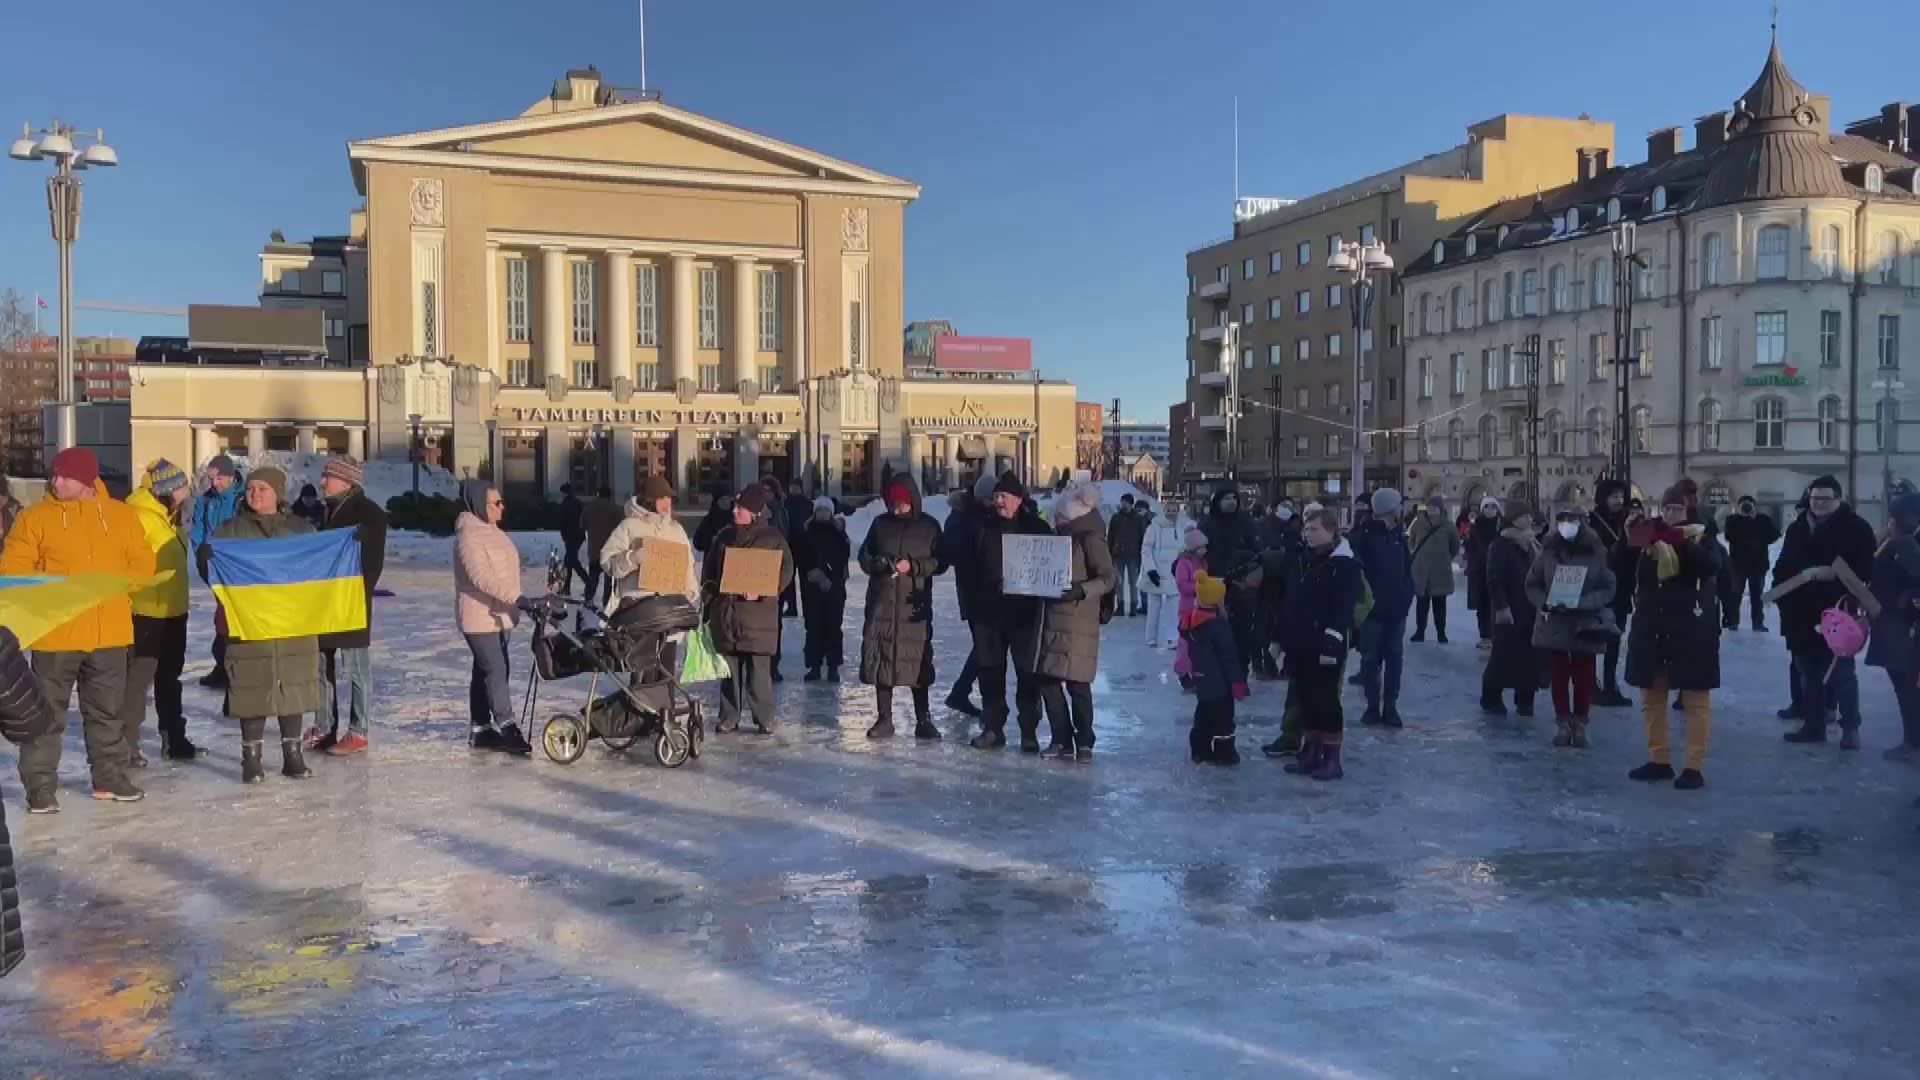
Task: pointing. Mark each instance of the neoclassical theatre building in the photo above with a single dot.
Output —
(598, 289)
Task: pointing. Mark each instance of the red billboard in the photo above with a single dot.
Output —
(952, 352)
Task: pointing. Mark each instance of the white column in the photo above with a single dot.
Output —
(303, 436)
(796, 341)
(496, 326)
(357, 443)
(953, 458)
(555, 332)
(746, 319)
(618, 347)
(203, 446)
(684, 321)
(256, 441)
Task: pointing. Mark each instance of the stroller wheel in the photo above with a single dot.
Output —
(673, 746)
(696, 730)
(564, 738)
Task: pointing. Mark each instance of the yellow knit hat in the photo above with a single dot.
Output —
(1209, 591)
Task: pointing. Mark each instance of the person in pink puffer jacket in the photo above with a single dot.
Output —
(1191, 563)
(486, 590)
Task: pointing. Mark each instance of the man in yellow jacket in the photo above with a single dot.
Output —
(160, 617)
(78, 529)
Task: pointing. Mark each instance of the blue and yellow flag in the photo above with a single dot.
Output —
(290, 586)
(32, 607)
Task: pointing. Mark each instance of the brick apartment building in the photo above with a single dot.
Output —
(28, 380)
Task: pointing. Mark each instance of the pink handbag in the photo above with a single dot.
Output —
(1844, 631)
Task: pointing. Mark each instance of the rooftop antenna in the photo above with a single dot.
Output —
(643, 46)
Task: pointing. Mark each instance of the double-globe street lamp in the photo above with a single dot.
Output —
(1360, 262)
(60, 143)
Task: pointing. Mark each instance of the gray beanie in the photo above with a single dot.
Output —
(1386, 501)
(983, 487)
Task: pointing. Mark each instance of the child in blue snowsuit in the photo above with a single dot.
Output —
(1219, 674)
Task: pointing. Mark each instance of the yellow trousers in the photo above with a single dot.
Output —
(1696, 705)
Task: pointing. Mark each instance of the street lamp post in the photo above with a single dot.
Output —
(1360, 262)
(1884, 427)
(1230, 361)
(413, 421)
(59, 143)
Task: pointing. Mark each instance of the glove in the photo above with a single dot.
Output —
(1153, 578)
(1240, 691)
(1503, 617)
(1074, 592)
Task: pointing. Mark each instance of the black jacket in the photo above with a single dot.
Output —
(741, 626)
(1844, 535)
(1479, 540)
(1748, 539)
(1512, 662)
(1611, 527)
(1316, 606)
(957, 541)
(719, 517)
(985, 600)
(1232, 541)
(896, 641)
(1125, 533)
(24, 715)
(823, 546)
(357, 512)
(1675, 632)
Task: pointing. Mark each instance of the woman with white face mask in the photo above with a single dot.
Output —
(1575, 621)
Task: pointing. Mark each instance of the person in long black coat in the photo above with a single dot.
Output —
(746, 629)
(1513, 664)
(1609, 522)
(24, 715)
(1001, 624)
(1828, 532)
(821, 555)
(1750, 536)
(1674, 643)
(1480, 537)
(901, 557)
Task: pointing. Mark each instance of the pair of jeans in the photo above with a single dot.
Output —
(357, 667)
(159, 653)
(1907, 693)
(1756, 597)
(1435, 604)
(969, 674)
(599, 584)
(1383, 644)
(1572, 683)
(1127, 593)
(1069, 710)
(1828, 683)
(489, 693)
(101, 676)
(751, 685)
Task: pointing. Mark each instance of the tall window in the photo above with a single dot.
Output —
(1893, 249)
(1302, 445)
(1711, 343)
(709, 377)
(1488, 312)
(1303, 397)
(1426, 378)
(1275, 262)
(1643, 352)
(1273, 355)
(1222, 274)
(1459, 373)
(1829, 339)
(1246, 269)
(1829, 414)
(1335, 293)
(1456, 439)
(1303, 349)
(1510, 295)
(430, 317)
(289, 281)
(1557, 362)
(519, 371)
(1830, 251)
(1643, 277)
(1367, 234)
(1516, 434)
(1274, 308)
(1333, 345)
(710, 308)
(1489, 436)
(1333, 446)
(1303, 301)
(1457, 308)
(1642, 430)
(1422, 318)
(583, 305)
(1515, 365)
(1246, 314)
(1710, 259)
(1771, 262)
(1557, 289)
(646, 306)
(769, 281)
(1333, 244)
(646, 376)
(1596, 356)
(1769, 424)
(1596, 430)
(1333, 395)
(1556, 434)
(1246, 358)
(1889, 340)
(1490, 371)
(1600, 282)
(1769, 338)
(332, 282)
(1886, 424)
(1303, 253)
(518, 322)
(1709, 425)
(586, 373)
(1530, 292)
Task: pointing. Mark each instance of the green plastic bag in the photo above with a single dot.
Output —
(701, 663)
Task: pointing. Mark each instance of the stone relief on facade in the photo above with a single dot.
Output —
(854, 228)
(428, 201)
(889, 393)
(861, 403)
(685, 390)
(622, 389)
(749, 391)
(829, 396)
(556, 388)
(393, 384)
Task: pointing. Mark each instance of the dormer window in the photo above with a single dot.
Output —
(1439, 251)
(1501, 239)
(1613, 211)
(1473, 245)
(1874, 177)
(1573, 219)
(1913, 181)
(1660, 199)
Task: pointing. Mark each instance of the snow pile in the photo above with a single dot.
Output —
(385, 479)
(422, 550)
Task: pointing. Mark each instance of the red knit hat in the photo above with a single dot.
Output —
(899, 492)
(76, 463)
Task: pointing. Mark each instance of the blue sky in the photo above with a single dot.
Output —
(1071, 151)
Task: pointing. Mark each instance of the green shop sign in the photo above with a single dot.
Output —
(1789, 377)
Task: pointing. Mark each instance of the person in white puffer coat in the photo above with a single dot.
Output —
(1162, 546)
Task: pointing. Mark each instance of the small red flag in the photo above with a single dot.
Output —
(38, 300)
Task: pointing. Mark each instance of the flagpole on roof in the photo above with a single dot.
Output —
(643, 46)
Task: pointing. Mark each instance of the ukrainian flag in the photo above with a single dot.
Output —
(34, 606)
(290, 586)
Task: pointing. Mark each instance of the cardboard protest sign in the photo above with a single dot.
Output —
(1568, 583)
(1842, 573)
(750, 572)
(663, 566)
(1036, 565)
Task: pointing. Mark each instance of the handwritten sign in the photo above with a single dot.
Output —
(663, 565)
(750, 572)
(1568, 583)
(1036, 565)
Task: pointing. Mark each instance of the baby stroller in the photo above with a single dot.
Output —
(636, 647)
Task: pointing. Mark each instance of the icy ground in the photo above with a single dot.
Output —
(1468, 902)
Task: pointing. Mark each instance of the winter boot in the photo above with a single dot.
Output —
(1652, 770)
(1612, 698)
(1849, 738)
(923, 729)
(513, 742)
(812, 675)
(483, 738)
(994, 739)
(1578, 734)
(1197, 745)
(1063, 751)
(1307, 760)
(1562, 731)
(1814, 732)
(251, 770)
(1495, 707)
(1391, 718)
(1523, 708)
(1328, 767)
(833, 673)
(1083, 753)
(1223, 751)
(177, 748)
(291, 763)
(1284, 746)
(881, 729)
(1371, 717)
(1690, 780)
(962, 704)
